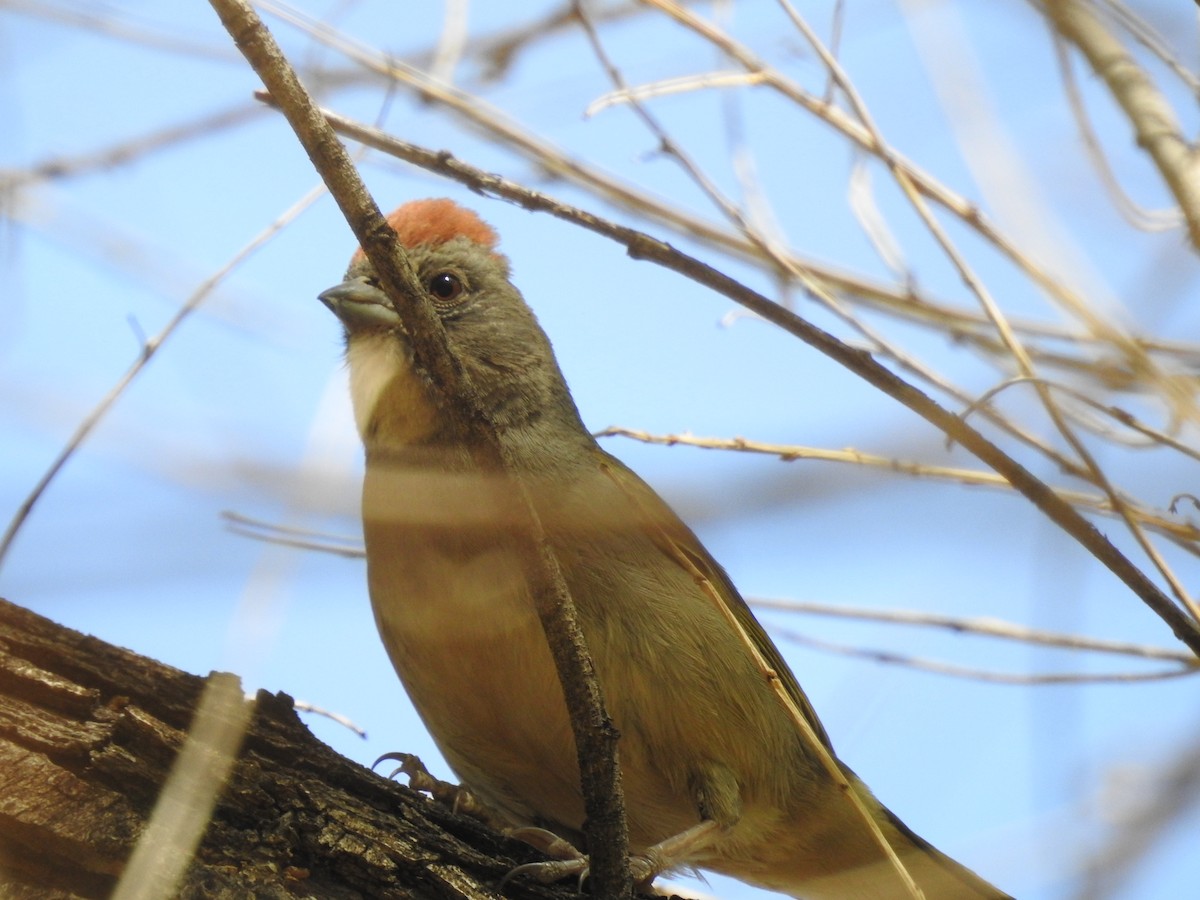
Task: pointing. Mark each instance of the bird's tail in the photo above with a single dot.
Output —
(872, 876)
(939, 876)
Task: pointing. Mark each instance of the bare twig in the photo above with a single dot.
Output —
(642, 246)
(773, 251)
(345, 721)
(994, 628)
(1128, 420)
(1153, 121)
(1134, 213)
(941, 668)
(1182, 532)
(595, 736)
(1016, 348)
(965, 210)
(148, 350)
(291, 536)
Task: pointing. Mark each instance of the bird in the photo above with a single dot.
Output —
(716, 772)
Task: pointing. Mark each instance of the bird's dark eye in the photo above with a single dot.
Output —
(445, 286)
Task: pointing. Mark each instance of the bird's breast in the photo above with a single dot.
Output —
(455, 614)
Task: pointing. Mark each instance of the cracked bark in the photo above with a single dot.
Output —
(88, 732)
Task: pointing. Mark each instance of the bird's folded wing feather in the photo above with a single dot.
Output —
(678, 542)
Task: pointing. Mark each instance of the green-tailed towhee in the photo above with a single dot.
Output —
(706, 746)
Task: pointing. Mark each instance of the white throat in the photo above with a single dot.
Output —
(375, 360)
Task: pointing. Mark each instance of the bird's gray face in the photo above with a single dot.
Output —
(489, 328)
(362, 306)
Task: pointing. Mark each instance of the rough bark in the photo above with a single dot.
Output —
(88, 732)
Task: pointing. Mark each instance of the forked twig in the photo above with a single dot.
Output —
(149, 348)
(642, 246)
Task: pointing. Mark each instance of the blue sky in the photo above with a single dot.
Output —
(245, 407)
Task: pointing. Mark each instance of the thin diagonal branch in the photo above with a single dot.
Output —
(149, 348)
(642, 246)
(595, 735)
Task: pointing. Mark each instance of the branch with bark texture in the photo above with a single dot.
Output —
(595, 735)
(89, 732)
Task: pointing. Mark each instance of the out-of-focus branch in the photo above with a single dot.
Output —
(1172, 795)
(129, 151)
(109, 20)
(149, 348)
(1153, 120)
(1134, 213)
(1185, 534)
(891, 657)
(340, 545)
(992, 628)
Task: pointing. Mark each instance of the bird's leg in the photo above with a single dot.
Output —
(675, 851)
(557, 848)
(718, 802)
(667, 854)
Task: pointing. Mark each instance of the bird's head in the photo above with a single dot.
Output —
(489, 328)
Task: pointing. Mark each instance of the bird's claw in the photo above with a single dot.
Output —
(550, 871)
(642, 869)
(677, 850)
(547, 841)
(458, 798)
(567, 861)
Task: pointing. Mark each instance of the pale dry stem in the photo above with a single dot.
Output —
(1187, 535)
(1154, 122)
(149, 349)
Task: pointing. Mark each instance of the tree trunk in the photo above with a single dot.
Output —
(88, 733)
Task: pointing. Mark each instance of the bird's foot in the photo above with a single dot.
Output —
(678, 850)
(455, 796)
(565, 859)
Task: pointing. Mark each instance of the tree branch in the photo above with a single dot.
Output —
(88, 732)
(642, 246)
(1154, 122)
(595, 735)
